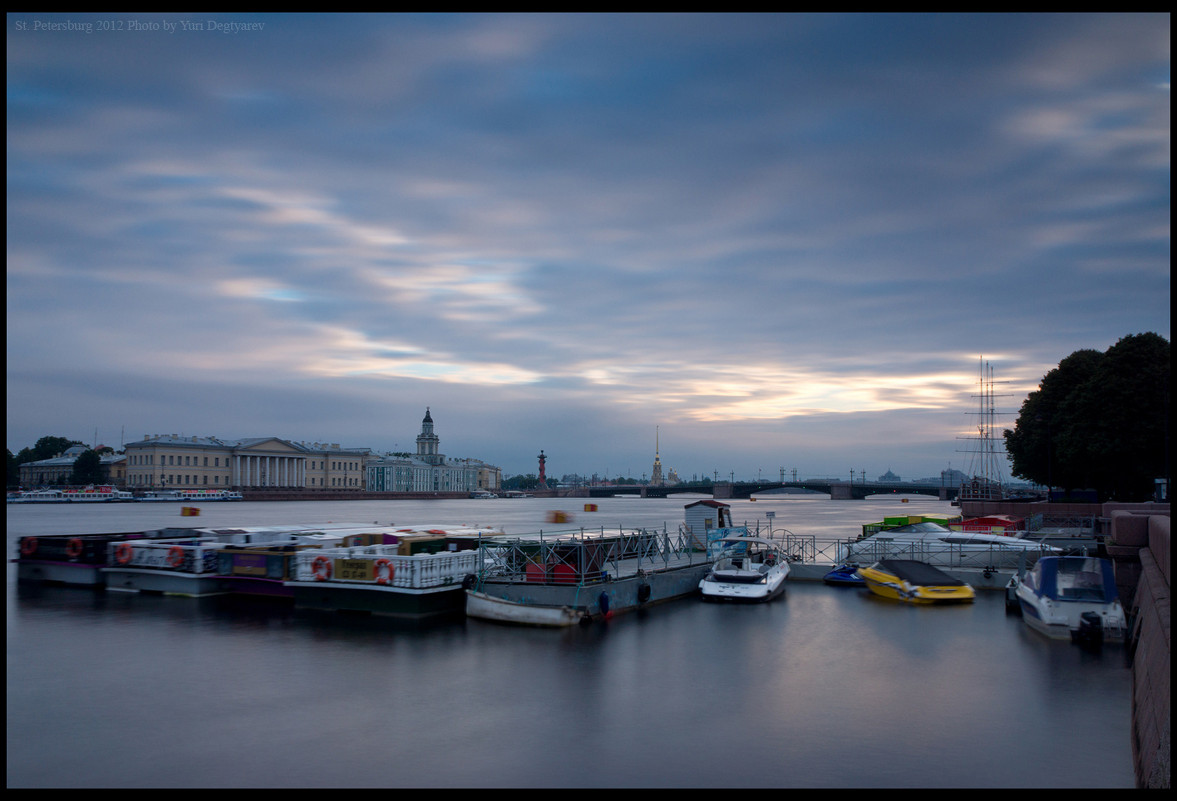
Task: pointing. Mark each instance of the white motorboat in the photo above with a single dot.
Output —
(938, 545)
(747, 569)
(1071, 597)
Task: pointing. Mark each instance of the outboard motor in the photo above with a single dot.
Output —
(1090, 633)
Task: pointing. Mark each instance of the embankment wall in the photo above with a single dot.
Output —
(1140, 547)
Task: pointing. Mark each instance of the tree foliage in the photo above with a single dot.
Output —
(1099, 421)
(87, 468)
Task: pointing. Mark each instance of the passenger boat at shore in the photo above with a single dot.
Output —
(73, 559)
(1071, 597)
(188, 496)
(747, 569)
(274, 561)
(915, 582)
(420, 574)
(92, 494)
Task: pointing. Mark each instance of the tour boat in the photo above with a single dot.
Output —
(188, 495)
(1071, 597)
(747, 569)
(101, 494)
(92, 494)
(915, 582)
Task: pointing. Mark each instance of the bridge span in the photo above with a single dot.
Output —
(838, 490)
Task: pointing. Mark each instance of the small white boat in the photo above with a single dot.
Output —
(1071, 597)
(488, 607)
(747, 569)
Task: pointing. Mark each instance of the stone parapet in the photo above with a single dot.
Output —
(1150, 643)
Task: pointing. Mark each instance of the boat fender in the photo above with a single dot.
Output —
(74, 548)
(322, 568)
(469, 582)
(123, 553)
(643, 592)
(603, 604)
(175, 556)
(383, 579)
(28, 546)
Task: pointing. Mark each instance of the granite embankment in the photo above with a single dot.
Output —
(1139, 544)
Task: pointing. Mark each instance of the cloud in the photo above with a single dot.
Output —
(748, 227)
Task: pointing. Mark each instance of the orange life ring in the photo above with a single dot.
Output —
(175, 556)
(386, 579)
(73, 548)
(28, 546)
(324, 563)
(123, 552)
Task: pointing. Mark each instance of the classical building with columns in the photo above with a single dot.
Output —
(166, 460)
(429, 470)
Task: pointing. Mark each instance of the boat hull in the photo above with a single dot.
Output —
(885, 583)
(720, 592)
(378, 599)
(600, 598)
(80, 575)
(487, 607)
(1065, 624)
(163, 582)
(714, 588)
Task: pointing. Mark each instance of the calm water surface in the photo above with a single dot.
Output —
(827, 687)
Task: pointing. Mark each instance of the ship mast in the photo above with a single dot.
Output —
(985, 461)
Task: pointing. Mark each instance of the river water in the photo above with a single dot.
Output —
(826, 687)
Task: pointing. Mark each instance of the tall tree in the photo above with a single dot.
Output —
(48, 447)
(87, 468)
(1099, 421)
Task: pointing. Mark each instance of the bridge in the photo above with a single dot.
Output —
(838, 490)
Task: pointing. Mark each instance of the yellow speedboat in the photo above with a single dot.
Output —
(915, 583)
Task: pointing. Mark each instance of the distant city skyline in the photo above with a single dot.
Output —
(780, 240)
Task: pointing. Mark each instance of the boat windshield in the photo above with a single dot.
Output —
(1081, 580)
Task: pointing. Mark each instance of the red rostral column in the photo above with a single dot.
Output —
(543, 479)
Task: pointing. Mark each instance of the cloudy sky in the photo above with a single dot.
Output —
(781, 242)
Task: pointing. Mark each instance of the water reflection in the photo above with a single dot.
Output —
(827, 687)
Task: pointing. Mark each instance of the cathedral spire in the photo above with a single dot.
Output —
(656, 476)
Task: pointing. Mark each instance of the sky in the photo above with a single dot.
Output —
(753, 243)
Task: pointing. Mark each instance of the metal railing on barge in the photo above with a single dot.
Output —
(582, 556)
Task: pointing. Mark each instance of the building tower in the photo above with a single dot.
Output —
(656, 474)
(543, 478)
(427, 442)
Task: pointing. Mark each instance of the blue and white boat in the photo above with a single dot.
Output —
(1071, 597)
(845, 575)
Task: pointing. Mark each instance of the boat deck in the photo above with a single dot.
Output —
(919, 573)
